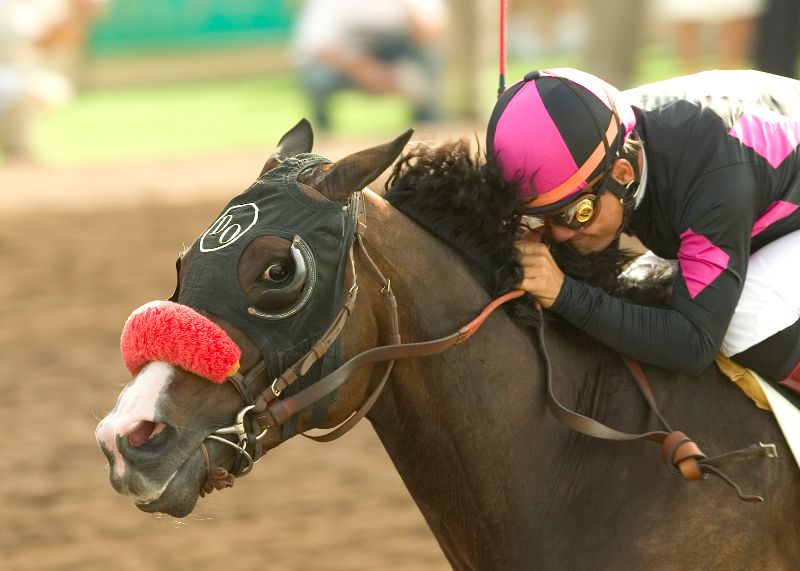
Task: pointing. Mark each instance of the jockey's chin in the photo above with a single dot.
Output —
(586, 245)
(584, 241)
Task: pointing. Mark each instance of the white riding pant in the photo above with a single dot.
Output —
(770, 300)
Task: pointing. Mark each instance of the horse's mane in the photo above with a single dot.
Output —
(461, 198)
(450, 193)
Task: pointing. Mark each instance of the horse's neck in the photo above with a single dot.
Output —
(464, 428)
(470, 434)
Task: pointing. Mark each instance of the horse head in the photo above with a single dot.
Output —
(262, 296)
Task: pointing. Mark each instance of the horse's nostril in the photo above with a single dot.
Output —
(141, 431)
(143, 440)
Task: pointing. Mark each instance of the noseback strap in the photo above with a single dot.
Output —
(177, 334)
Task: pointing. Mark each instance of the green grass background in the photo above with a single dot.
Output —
(117, 124)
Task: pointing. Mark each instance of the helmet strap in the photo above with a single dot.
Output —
(622, 191)
(631, 194)
(628, 194)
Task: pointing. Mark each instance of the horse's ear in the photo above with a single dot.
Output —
(299, 139)
(177, 292)
(356, 171)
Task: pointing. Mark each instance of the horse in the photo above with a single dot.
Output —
(500, 481)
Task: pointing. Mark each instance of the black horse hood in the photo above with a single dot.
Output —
(321, 232)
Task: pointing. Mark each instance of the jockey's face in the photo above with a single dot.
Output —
(605, 227)
(598, 235)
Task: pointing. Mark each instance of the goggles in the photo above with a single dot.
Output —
(576, 215)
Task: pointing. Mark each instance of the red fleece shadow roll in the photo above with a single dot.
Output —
(177, 334)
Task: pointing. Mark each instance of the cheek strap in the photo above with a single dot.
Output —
(177, 334)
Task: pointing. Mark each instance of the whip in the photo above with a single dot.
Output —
(502, 84)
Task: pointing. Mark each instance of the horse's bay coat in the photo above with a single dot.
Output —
(500, 482)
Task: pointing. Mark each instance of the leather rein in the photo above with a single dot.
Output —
(266, 411)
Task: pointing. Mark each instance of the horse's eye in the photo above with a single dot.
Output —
(277, 273)
(282, 281)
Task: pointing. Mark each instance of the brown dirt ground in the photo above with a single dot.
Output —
(80, 248)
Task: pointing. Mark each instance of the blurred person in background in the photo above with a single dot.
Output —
(377, 46)
(65, 48)
(614, 36)
(704, 170)
(39, 43)
(588, 29)
(733, 20)
(778, 39)
(546, 28)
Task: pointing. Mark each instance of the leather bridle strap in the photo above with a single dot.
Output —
(680, 453)
(394, 339)
(279, 411)
(304, 364)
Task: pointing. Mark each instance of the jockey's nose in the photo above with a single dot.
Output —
(560, 233)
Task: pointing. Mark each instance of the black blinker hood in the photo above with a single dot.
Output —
(275, 205)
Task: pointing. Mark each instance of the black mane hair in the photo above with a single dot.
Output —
(464, 203)
(461, 198)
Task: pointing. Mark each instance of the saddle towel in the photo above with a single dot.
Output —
(766, 397)
(787, 415)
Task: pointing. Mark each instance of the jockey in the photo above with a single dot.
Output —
(703, 170)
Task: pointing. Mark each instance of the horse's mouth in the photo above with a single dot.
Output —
(177, 496)
(166, 482)
(182, 489)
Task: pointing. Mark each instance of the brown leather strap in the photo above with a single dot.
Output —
(682, 455)
(394, 339)
(579, 422)
(304, 364)
(681, 452)
(279, 411)
(362, 411)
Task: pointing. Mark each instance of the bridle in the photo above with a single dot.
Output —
(266, 411)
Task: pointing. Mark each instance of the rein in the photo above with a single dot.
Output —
(267, 411)
(680, 453)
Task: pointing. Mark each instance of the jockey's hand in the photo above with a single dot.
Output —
(542, 277)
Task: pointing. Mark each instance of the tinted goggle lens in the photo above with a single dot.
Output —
(576, 215)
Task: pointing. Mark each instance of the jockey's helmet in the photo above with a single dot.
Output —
(555, 131)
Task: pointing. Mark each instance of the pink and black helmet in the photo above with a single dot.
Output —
(554, 131)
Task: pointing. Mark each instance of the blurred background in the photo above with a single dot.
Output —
(85, 81)
(125, 125)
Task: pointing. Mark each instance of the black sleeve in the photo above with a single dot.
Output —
(714, 250)
(659, 336)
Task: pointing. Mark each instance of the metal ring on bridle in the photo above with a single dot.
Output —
(241, 434)
(239, 450)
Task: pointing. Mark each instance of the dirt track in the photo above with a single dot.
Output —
(80, 248)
